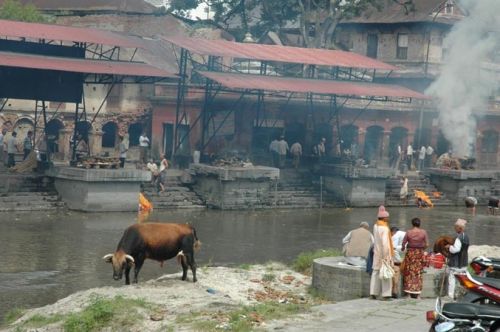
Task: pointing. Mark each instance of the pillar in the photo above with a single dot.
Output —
(95, 142)
(65, 136)
(384, 149)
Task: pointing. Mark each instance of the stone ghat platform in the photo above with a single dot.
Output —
(338, 281)
(98, 190)
(458, 184)
(232, 188)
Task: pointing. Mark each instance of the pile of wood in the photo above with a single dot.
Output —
(99, 162)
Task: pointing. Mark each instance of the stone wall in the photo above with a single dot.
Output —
(337, 281)
(234, 187)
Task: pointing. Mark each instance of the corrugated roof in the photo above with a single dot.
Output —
(301, 85)
(19, 60)
(65, 33)
(278, 53)
(121, 6)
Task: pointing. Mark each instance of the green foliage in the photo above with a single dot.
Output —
(245, 266)
(269, 277)
(14, 10)
(244, 319)
(316, 19)
(12, 315)
(303, 263)
(119, 312)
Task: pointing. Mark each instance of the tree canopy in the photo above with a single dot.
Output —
(14, 10)
(315, 19)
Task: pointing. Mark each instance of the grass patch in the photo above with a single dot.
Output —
(117, 313)
(37, 321)
(316, 295)
(12, 315)
(269, 277)
(245, 319)
(244, 267)
(303, 263)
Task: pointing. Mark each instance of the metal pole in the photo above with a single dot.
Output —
(47, 152)
(320, 192)
(180, 99)
(73, 153)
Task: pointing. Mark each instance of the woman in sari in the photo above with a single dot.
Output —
(414, 243)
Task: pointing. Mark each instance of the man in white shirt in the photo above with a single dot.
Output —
(428, 156)
(421, 158)
(397, 242)
(409, 156)
(282, 150)
(296, 151)
(273, 148)
(143, 146)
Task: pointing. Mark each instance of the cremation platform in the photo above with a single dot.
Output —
(228, 187)
(98, 190)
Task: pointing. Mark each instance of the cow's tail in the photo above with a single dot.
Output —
(197, 242)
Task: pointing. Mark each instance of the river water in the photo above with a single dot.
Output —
(47, 256)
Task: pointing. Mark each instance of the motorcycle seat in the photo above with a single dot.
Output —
(493, 282)
(471, 311)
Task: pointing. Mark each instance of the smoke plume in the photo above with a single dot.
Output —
(463, 87)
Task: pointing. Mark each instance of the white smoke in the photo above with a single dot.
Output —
(463, 88)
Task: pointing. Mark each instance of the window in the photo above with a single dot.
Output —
(402, 50)
(372, 45)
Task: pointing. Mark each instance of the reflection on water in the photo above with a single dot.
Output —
(45, 257)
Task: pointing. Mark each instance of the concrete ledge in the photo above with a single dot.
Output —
(233, 173)
(337, 281)
(98, 190)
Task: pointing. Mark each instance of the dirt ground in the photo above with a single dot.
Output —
(218, 290)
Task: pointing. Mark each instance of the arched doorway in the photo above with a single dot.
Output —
(398, 136)
(134, 132)
(443, 145)
(489, 149)
(373, 143)
(52, 131)
(349, 139)
(22, 127)
(110, 132)
(295, 132)
(323, 130)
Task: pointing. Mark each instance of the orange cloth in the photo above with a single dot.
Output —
(383, 223)
(144, 204)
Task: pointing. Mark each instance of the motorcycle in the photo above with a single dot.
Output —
(479, 289)
(484, 266)
(464, 317)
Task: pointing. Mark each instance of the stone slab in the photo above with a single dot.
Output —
(234, 173)
(99, 190)
(337, 281)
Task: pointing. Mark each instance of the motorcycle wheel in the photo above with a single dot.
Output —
(433, 326)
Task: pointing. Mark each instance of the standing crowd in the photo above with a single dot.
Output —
(392, 254)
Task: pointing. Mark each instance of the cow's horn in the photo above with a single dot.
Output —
(108, 257)
(130, 258)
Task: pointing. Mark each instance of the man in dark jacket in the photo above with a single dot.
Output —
(458, 259)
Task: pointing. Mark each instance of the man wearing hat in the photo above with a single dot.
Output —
(382, 251)
(458, 259)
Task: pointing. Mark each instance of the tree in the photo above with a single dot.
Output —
(316, 19)
(14, 10)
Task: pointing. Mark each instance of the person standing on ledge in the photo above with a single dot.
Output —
(143, 146)
(382, 251)
(123, 152)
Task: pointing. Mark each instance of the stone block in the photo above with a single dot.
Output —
(337, 281)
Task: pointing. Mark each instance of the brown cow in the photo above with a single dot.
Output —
(440, 245)
(155, 241)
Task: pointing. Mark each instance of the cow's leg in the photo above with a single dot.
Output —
(184, 268)
(192, 264)
(127, 275)
(138, 265)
